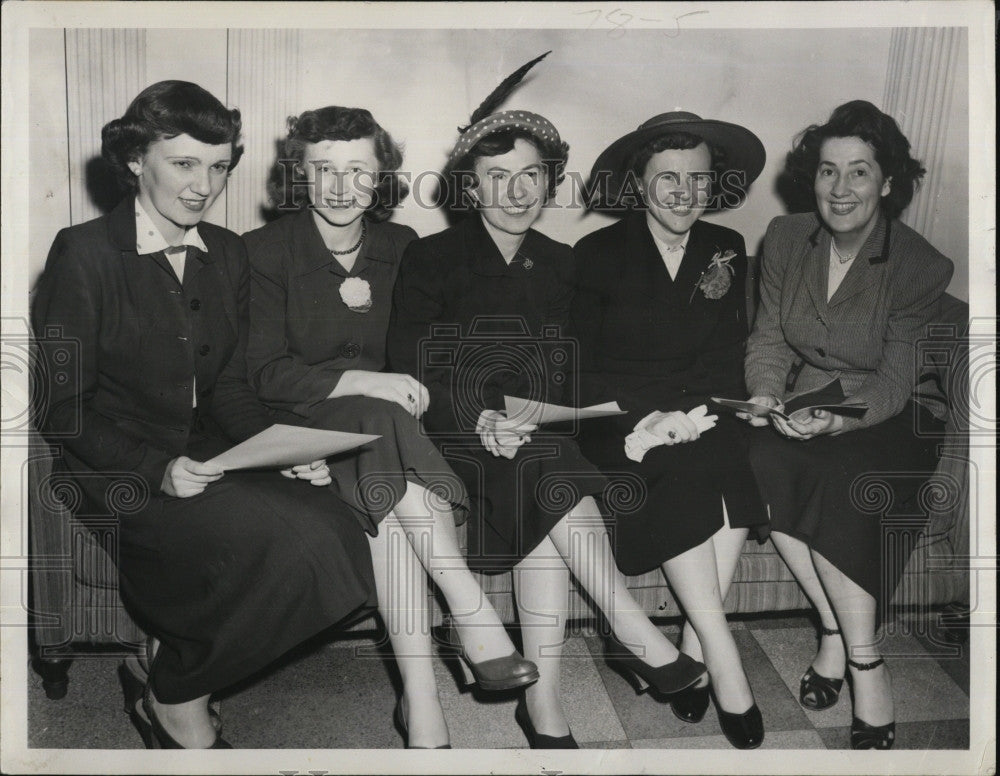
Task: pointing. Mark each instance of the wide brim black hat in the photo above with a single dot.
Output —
(743, 150)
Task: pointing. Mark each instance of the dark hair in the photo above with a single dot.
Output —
(863, 120)
(681, 141)
(336, 123)
(554, 155)
(165, 110)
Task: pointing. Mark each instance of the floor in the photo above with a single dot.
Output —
(341, 693)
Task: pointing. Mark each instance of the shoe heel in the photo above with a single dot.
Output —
(131, 687)
(468, 678)
(639, 684)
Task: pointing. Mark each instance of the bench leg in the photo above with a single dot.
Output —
(954, 623)
(55, 675)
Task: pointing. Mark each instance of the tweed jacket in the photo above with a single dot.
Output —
(866, 334)
(123, 339)
(652, 342)
(302, 335)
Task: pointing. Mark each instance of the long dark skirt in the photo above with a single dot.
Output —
(515, 503)
(234, 577)
(373, 478)
(849, 497)
(672, 501)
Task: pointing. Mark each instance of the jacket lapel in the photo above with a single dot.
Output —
(866, 266)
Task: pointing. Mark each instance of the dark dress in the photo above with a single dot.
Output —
(303, 337)
(847, 495)
(653, 343)
(472, 328)
(229, 579)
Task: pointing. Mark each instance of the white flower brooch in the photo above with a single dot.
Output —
(357, 294)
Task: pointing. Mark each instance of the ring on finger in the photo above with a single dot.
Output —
(672, 434)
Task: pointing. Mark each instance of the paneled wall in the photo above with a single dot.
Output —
(421, 84)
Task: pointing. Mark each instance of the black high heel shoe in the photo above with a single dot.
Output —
(691, 703)
(501, 673)
(666, 679)
(743, 731)
(133, 678)
(538, 740)
(863, 735)
(818, 692)
(400, 721)
(161, 739)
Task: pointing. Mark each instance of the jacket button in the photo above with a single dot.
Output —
(204, 350)
(195, 304)
(820, 352)
(350, 350)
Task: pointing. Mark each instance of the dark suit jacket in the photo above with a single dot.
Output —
(302, 335)
(123, 339)
(650, 342)
(472, 327)
(867, 333)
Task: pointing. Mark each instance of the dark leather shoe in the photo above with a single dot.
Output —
(161, 739)
(539, 740)
(501, 673)
(666, 679)
(743, 731)
(691, 703)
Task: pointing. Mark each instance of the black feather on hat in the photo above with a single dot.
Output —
(495, 98)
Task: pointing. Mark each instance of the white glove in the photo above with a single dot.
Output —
(667, 428)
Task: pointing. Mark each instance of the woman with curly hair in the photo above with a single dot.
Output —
(321, 295)
(227, 571)
(846, 292)
(500, 290)
(660, 313)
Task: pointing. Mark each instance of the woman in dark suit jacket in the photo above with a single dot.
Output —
(493, 296)
(319, 309)
(846, 292)
(660, 314)
(227, 572)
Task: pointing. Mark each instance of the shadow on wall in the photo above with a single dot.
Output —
(102, 186)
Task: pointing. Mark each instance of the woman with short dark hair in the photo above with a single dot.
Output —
(846, 292)
(660, 315)
(322, 293)
(229, 571)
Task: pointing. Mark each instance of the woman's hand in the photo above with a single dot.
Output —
(820, 422)
(185, 478)
(502, 436)
(670, 428)
(316, 473)
(407, 392)
(760, 420)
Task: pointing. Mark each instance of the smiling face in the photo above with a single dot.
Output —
(179, 178)
(849, 187)
(511, 187)
(341, 176)
(677, 185)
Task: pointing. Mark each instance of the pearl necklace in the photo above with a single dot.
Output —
(843, 259)
(361, 239)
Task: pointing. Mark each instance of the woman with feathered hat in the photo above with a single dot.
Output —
(497, 287)
(660, 314)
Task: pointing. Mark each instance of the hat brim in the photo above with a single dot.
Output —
(744, 151)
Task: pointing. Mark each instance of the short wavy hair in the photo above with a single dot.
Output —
(165, 110)
(680, 141)
(336, 123)
(879, 130)
(554, 155)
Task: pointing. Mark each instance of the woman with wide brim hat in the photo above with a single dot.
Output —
(660, 317)
(501, 291)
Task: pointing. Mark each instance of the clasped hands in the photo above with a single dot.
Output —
(501, 436)
(819, 422)
(185, 477)
(667, 428)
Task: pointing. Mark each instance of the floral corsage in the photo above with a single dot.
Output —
(715, 281)
(357, 294)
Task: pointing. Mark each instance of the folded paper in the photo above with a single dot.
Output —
(280, 446)
(800, 406)
(526, 411)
